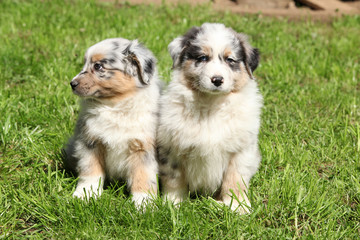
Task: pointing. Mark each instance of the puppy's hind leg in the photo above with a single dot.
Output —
(91, 169)
(143, 169)
(174, 185)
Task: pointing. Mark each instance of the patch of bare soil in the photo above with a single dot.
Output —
(323, 10)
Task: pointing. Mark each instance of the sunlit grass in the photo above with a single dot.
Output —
(308, 185)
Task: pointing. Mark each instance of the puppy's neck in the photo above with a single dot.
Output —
(209, 102)
(210, 98)
(109, 101)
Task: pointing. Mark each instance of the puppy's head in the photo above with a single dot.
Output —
(214, 59)
(114, 69)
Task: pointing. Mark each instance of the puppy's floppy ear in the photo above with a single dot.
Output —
(254, 59)
(178, 46)
(142, 62)
(251, 55)
(175, 48)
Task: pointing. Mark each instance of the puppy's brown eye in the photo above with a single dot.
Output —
(98, 66)
(230, 61)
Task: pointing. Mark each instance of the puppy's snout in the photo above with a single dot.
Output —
(73, 84)
(217, 80)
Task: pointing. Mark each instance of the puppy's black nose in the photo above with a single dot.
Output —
(217, 80)
(74, 84)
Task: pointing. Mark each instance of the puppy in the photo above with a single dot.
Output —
(210, 117)
(115, 132)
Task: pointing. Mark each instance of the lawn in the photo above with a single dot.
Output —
(308, 185)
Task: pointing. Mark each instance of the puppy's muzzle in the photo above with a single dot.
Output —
(73, 84)
(217, 80)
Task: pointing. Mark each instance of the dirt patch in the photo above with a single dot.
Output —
(289, 9)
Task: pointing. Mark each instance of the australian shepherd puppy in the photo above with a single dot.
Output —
(115, 132)
(210, 117)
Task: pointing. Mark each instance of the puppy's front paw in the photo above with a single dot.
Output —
(87, 193)
(88, 187)
(141, 199)
(175, 197)
(241, 208)
(79, 194)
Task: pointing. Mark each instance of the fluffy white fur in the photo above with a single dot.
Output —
(208, 135)
(115, 133)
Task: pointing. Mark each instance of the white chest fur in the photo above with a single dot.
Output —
(115, 126)
(204, 135)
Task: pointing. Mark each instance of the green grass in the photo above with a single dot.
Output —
(308, 185)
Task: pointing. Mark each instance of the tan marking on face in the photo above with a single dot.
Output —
(189, 78)
(240, 78)
(227, 52)
(87, 82)
(207, 51)
(96, 164)
(118, 87)
(97, 57)
(187, 66)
